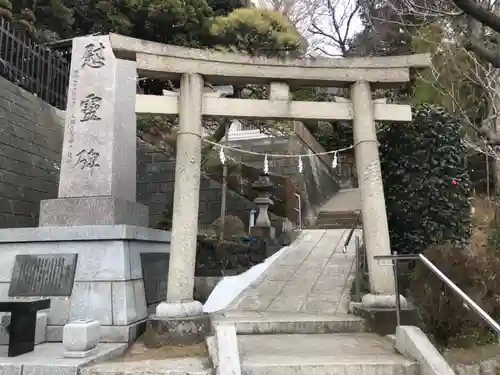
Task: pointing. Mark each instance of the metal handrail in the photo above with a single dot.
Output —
(348, 239)
(359, 264)
(299, 210)
(396, 258)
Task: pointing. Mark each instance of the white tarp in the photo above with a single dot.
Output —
(231, 286)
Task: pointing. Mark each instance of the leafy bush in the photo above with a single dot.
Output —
(6, 9)
(493, 245)
(425, 178)
(258, 32)
(446, 319)
(233, 226)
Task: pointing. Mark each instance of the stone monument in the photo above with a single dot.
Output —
(86, 255)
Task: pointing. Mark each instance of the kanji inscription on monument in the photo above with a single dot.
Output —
(89, 107)
(93, 55)
(87, 159)
(43, 275)
(154, 266)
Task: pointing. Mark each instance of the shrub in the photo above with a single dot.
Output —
(426, 182)
(420, 163)
(6, 9)
(233, 226)
(493, 245)
(447, 320)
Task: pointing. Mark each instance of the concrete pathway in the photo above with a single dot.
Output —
(313, 276)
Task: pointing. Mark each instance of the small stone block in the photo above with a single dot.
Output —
(80, 354)
(176, 331)
(81, 335)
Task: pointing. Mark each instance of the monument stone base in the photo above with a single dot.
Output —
(177, 331)
(383, 301)
(102, 210)
(107, 283)
(180, 323)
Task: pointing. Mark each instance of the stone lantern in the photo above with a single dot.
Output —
(262, 227)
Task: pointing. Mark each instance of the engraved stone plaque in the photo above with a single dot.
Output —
(43, 275)
(155, 273)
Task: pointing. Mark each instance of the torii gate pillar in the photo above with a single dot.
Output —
(373, 209)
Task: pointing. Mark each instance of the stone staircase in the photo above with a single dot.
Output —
(294, 319)
(328, 354)
(341, 211)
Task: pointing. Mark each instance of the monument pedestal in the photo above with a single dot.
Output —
(101, 210)
(88, 272)
(180, 323)
(177, 331)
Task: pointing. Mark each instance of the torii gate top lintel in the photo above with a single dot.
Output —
(169, 61)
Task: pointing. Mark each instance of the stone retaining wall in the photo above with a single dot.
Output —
(31, 133)
(30, 153)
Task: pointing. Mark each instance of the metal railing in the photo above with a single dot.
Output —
(395, 259)
(349, 236)
(360, 258)
(39, 70)
(361, 269)
(298, 209)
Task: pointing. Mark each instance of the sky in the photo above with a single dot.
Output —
(322, 18)
(324, 22)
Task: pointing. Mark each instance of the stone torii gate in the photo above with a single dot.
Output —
(194, 68)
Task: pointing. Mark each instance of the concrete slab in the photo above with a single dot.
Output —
(48, 359)
(360, 353)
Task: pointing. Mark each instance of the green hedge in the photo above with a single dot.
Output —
(426, 181)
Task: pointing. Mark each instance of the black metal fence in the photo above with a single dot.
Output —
(39, 70)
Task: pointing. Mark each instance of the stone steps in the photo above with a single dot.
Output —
(334, 224)
(167, 366)
(322, 354)
(269, 322)
(336, 220)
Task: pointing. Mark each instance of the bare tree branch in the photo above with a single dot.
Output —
(483, 53)
(332, 28)
(480, 13)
